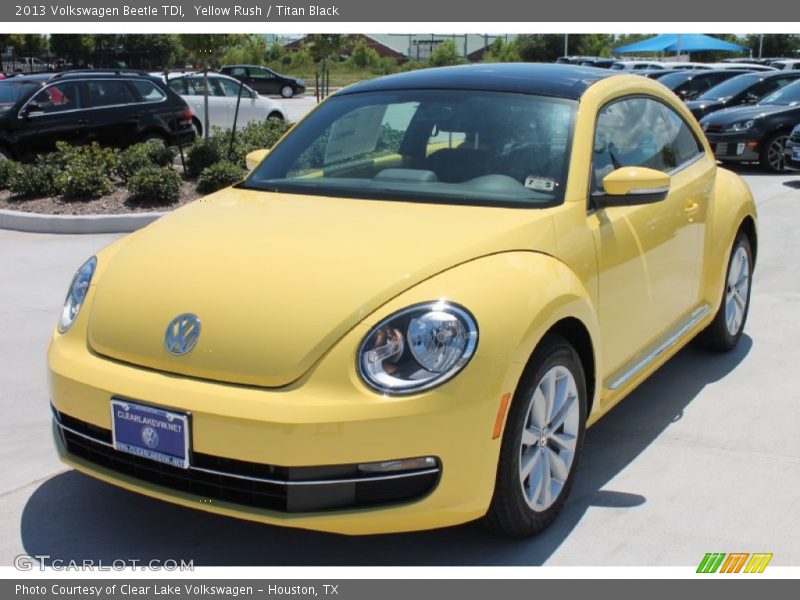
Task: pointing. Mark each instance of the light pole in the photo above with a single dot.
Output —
(566, 44)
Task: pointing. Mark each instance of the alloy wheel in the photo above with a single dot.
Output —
(737, 290)
(775, 156)
(547, 449)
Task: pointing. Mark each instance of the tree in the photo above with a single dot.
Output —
(774, 44)
(445, 54)
(502, 51)
(540, 47)
(76, 47)
(591, 44)
(150, 50)
(207, 48)
(324, 45)
(364, 57)
(28, 44)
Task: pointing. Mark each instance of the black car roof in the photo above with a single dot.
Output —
(561, 80)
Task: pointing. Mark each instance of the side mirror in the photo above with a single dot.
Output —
(632, 186)
(254, 158)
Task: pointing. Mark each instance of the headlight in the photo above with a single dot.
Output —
(740, 126)
(76, 294)
(418, 348)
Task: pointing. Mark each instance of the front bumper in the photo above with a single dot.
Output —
(317, 423)
(735, 147)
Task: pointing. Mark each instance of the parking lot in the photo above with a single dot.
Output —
(703, 457)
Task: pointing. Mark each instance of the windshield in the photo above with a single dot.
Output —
(12, 92)
(673, 80)
(730, 88)
(444, 146)
(785, 96)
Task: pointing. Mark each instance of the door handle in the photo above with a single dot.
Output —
(134, 115)
(692, 208)
(83, 121)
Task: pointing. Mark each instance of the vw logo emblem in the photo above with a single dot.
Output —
(182, 333)
(150, 437)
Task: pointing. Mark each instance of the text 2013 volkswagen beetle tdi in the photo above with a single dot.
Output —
(410, 311)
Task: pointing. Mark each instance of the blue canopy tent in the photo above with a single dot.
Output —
(672, 42)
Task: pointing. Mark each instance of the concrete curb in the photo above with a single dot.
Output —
(38, 223)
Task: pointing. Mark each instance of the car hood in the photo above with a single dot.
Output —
(278, 279)
(740, 113)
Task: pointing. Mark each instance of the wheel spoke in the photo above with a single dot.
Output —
(538, 416)
(530, 436)
(558, 468)
(565, 441)
(546, 492)
(550, 395)
(536, 481)
(529, 461)
(570, 404)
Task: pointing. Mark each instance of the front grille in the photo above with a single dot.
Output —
(257, 485)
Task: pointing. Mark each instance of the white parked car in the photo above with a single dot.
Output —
(743, 65)
(222, 95)
(788, 64)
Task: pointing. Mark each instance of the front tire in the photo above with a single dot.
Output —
(542, 442)
(287, 91)
(772, 158)
(725, 330)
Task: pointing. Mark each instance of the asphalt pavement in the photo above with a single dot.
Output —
(704, 457)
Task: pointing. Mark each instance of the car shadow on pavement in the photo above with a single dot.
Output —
(74, 517)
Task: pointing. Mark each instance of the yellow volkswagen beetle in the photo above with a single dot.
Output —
(412, 308)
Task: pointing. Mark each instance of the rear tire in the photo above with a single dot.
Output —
(152, 136)
(771, 157)
(541, 443)
(275, 116)
(725, 330)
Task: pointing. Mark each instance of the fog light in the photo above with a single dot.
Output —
(739, 148)
(393, 466)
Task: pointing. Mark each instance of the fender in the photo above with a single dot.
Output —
(516, 298)
(732, 204)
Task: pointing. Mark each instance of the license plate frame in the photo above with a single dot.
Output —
(150, 432)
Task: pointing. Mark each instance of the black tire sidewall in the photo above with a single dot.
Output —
(732, 339)
(764, 158)
(554, 351)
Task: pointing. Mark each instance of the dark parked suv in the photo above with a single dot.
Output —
(114, 108)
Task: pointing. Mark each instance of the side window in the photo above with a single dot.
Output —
(239, 72)
(684, 143)
(261, 74)
(197, 86)
(108, 92)
(231, 88)
(57, 98)
(631, 133)
(148, 91)
(178, 85)
(765, 87)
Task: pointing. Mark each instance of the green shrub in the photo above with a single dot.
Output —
(218, 176)
(34, 180)
(153, 185)
(160, 154)
(82, 181)
(132, 160)
(7, 168)
(146, 154)
(201, 155)
(94, 154)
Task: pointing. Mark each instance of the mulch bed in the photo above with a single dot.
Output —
(112, 204)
